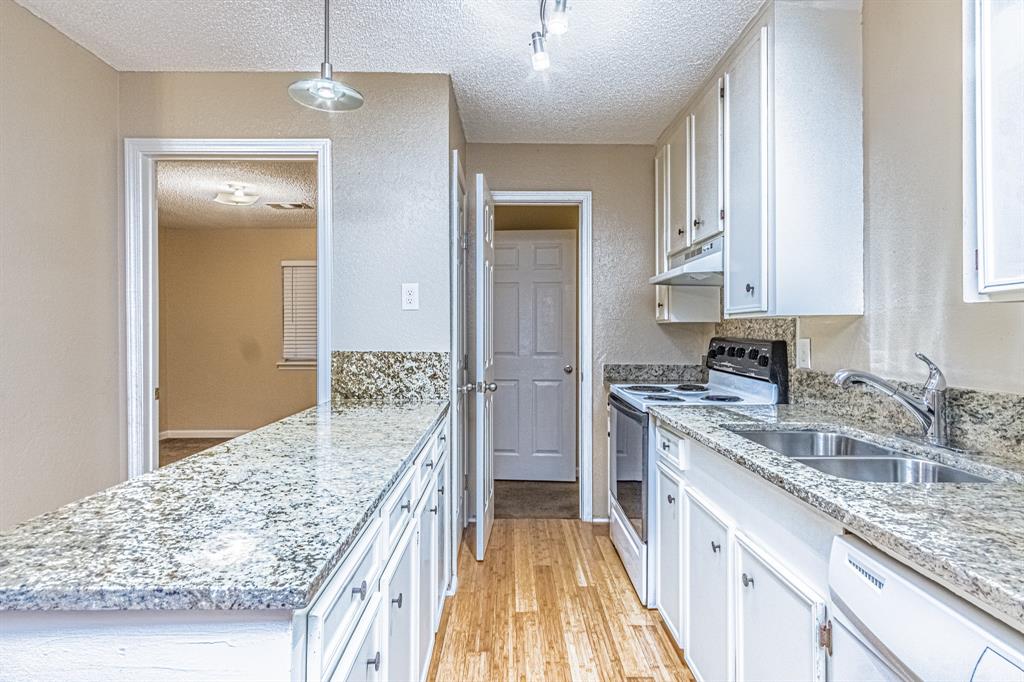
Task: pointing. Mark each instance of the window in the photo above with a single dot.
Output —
(993, 150)
(299, 319)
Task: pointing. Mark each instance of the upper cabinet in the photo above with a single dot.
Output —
(774, 160)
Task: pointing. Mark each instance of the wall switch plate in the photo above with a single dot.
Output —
(803, 353)
(411, 296)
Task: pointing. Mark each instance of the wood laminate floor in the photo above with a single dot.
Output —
(551, 602)
(174, 449)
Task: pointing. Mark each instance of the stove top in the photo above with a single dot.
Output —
(718, 398)
(646, 388)
(691, 388)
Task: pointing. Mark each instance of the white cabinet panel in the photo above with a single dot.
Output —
(442, 548)
(709, 623)
(364, 658)
(678, 190)
(778, 620)
(399, 604)
(746, 191)
(427, 516)
(707, 167)
(670, 571)
(661, 208)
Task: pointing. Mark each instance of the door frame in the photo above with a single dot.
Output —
(458, 465)
(584, 337)
(141, 293)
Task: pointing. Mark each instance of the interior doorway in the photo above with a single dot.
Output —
(535, 361)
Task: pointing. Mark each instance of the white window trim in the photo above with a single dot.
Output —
(976, 220)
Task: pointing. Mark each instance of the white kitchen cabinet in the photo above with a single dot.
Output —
(687, 304)
(426, 583)
(678, 189)
(364, 657)
(778, 619)
(746, 118)
(661, 208)
(705, 122)
(709, 608)
(443, 542)
(398, 588)
(670, 569)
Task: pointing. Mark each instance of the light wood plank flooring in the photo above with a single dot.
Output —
(174, 449)
(551, 602)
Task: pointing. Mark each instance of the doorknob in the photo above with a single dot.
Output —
(466, 388)
(567, 369)
(491, 387)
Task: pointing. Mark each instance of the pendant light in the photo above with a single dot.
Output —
(325, 93)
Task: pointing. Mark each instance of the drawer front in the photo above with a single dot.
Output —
(336, 611)
(363, 658)
(397, 510)
(670, 448)
(426, 464)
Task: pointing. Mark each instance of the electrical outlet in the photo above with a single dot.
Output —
(803, 353)
(411, 296)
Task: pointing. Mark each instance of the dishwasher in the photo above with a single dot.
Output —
(891, 623)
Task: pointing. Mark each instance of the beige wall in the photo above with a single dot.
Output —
(390, 183)
(913, 240)
(59, 398)
(220, 328)
(621, 178)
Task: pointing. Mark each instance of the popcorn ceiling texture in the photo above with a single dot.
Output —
(385, 376)
(618, 76)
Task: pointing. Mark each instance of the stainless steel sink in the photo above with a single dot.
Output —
(848, 457)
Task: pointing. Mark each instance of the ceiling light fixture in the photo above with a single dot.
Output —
(558, 24)
(325, 93)
(541, 60)
(236, 196)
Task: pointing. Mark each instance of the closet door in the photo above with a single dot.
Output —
(707, 165)
(746, 182)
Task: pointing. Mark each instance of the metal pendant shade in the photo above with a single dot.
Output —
(325, 93)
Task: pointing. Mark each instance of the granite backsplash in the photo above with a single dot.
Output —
(389, 376)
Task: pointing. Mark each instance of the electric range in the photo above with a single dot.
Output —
(740, 372)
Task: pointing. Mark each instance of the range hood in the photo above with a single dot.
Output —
(700, 266)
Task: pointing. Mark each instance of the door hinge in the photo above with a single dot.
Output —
(825, 636)
(721, 92)
(721, 214)
(156, 393)
(975, 260)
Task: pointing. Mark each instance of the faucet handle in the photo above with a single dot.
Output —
(936, 379)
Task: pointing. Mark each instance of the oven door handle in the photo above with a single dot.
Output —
(624, 407)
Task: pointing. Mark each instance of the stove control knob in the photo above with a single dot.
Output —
(763, 361)
(753, 353)
(731, 352)
(741, 352)
(720, 350)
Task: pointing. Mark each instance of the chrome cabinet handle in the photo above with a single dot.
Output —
(375, 662)
(361, 590)
(671, 500)
(407, 506)
(715, 547)
(398, 602)
(747, 580)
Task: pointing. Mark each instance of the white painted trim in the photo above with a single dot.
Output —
(203, 433)
(140, 244)
(585, 397)
(456, 433)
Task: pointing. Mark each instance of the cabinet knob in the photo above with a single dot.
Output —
(361, 590)
(661, 305)
(433, 510)
(398, 601)
(440, 491)
(429, 464)
(671, 500)
(375, 662)
(665, 446)
(747, 581)
(680, 231)
(749, 288)
(443, 437)
(697, 222)
(715, 547)
(407, 506)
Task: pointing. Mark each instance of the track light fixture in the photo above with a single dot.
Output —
(557, 24)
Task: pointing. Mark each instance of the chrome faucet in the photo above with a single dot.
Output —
(929, 410)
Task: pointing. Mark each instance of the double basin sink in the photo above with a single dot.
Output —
(849, 457)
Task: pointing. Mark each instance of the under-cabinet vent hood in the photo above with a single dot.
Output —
(699, 266)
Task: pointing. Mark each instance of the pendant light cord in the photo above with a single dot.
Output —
(544, 18)
(327, 31)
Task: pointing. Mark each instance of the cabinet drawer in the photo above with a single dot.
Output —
(397, 509)
(426, 465)
(363, 658)
(671, 448)
(335, 612)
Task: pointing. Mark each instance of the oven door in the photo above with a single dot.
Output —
(629, 466)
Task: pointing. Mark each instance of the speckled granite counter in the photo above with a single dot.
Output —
(258, 522)
(967, 536)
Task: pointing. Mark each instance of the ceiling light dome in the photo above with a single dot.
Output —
(325, 93)
(236, 196)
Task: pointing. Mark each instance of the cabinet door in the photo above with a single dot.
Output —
(707, 165)
(426, 578)
(443, 542)
(661, 219)
(709, 625)
(398, 585)
(746, 184)
(678, 189)
(363, 658)
(779, 616)
(661, 302)
(669, 572)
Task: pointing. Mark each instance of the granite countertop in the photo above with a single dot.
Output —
(258, 522)
(966, 536)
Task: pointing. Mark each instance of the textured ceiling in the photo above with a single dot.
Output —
(185, 192)
(618, 76)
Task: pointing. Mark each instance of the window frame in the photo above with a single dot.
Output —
(286, 362)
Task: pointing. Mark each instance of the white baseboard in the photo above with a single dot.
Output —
(209, 433)
(600, 519)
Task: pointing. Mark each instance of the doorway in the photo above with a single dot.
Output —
(142, 282)
(535, 360)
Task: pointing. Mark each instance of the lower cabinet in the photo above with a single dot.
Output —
(670, 571)
(397, 584)
(779, 620)
(364, 657)
(443, 542)
(428, 513)
(709, 623)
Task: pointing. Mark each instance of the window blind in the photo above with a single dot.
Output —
(299, 279)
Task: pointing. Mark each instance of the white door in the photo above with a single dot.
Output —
(779, 615)
(709, 605)
(485, 385)
(669, 572)
(746, 190)
(535, 355)
(707, 167)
